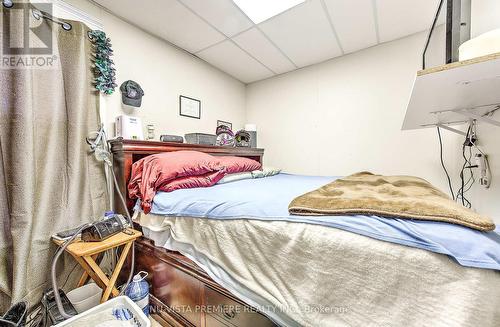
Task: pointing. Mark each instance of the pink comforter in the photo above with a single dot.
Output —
(170, 171)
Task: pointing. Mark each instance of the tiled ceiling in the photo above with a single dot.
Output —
(218, 32)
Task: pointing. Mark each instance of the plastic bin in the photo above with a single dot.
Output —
(117, 302)
(85, 297)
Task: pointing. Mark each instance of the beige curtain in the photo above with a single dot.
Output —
(49, 181)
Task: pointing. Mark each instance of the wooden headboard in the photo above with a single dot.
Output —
(126, 152)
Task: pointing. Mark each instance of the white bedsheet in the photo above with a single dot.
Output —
(309, 275)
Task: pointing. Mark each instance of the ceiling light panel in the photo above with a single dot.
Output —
(261, 10)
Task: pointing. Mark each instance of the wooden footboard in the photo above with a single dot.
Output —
(182, 294)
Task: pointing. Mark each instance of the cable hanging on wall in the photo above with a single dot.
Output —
(442, 163)
(473, 158)
(428, 40)
(466, 166)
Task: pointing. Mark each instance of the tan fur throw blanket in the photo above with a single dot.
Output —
(387, 196)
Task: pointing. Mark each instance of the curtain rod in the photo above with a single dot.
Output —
(41, 14)
(38, 14)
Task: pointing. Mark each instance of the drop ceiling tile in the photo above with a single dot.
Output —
(167, 19)
(255, 43)
(303, 33)
(354, 22)
(399, 18)
(223, 14)
(229, 58)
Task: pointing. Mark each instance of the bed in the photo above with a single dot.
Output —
(313, 275)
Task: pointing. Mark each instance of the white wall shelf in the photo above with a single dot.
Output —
(454, 94)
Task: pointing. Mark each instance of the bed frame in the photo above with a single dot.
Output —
(181, 293)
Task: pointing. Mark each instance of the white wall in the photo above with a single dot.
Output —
(487, 201)
(485, 16)
(165, 72)
(345, 116)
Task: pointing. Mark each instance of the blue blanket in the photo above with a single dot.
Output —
(268, 199)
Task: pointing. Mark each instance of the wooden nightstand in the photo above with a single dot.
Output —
(85, 254)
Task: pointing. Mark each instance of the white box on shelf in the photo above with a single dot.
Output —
(128, 127)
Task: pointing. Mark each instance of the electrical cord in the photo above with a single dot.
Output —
(69, 274)
(470, 182)
(122, 200)
(466, 165)
(132, 252)
(460, 194)
(428, 40)
(53, 276)
(100, 148)
(443, 165)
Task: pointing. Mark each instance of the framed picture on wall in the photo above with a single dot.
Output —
(225, 123)
(189, 107)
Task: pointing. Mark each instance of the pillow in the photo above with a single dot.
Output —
(205, 180)
(232, 165)
(156, 171)
(266, 172)
(235, 177)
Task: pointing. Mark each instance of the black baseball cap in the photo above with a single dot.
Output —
(132, 93)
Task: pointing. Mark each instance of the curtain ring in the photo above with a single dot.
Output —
(36, 14)
(39, 15)
(8, 3)
(66, 26)
(89, 34)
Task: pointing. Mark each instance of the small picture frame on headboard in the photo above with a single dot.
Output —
(189, 107)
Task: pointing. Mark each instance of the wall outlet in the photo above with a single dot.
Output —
(484, 170)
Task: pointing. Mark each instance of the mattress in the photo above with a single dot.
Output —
(329, 270)
(267, 199)
(302, 274)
